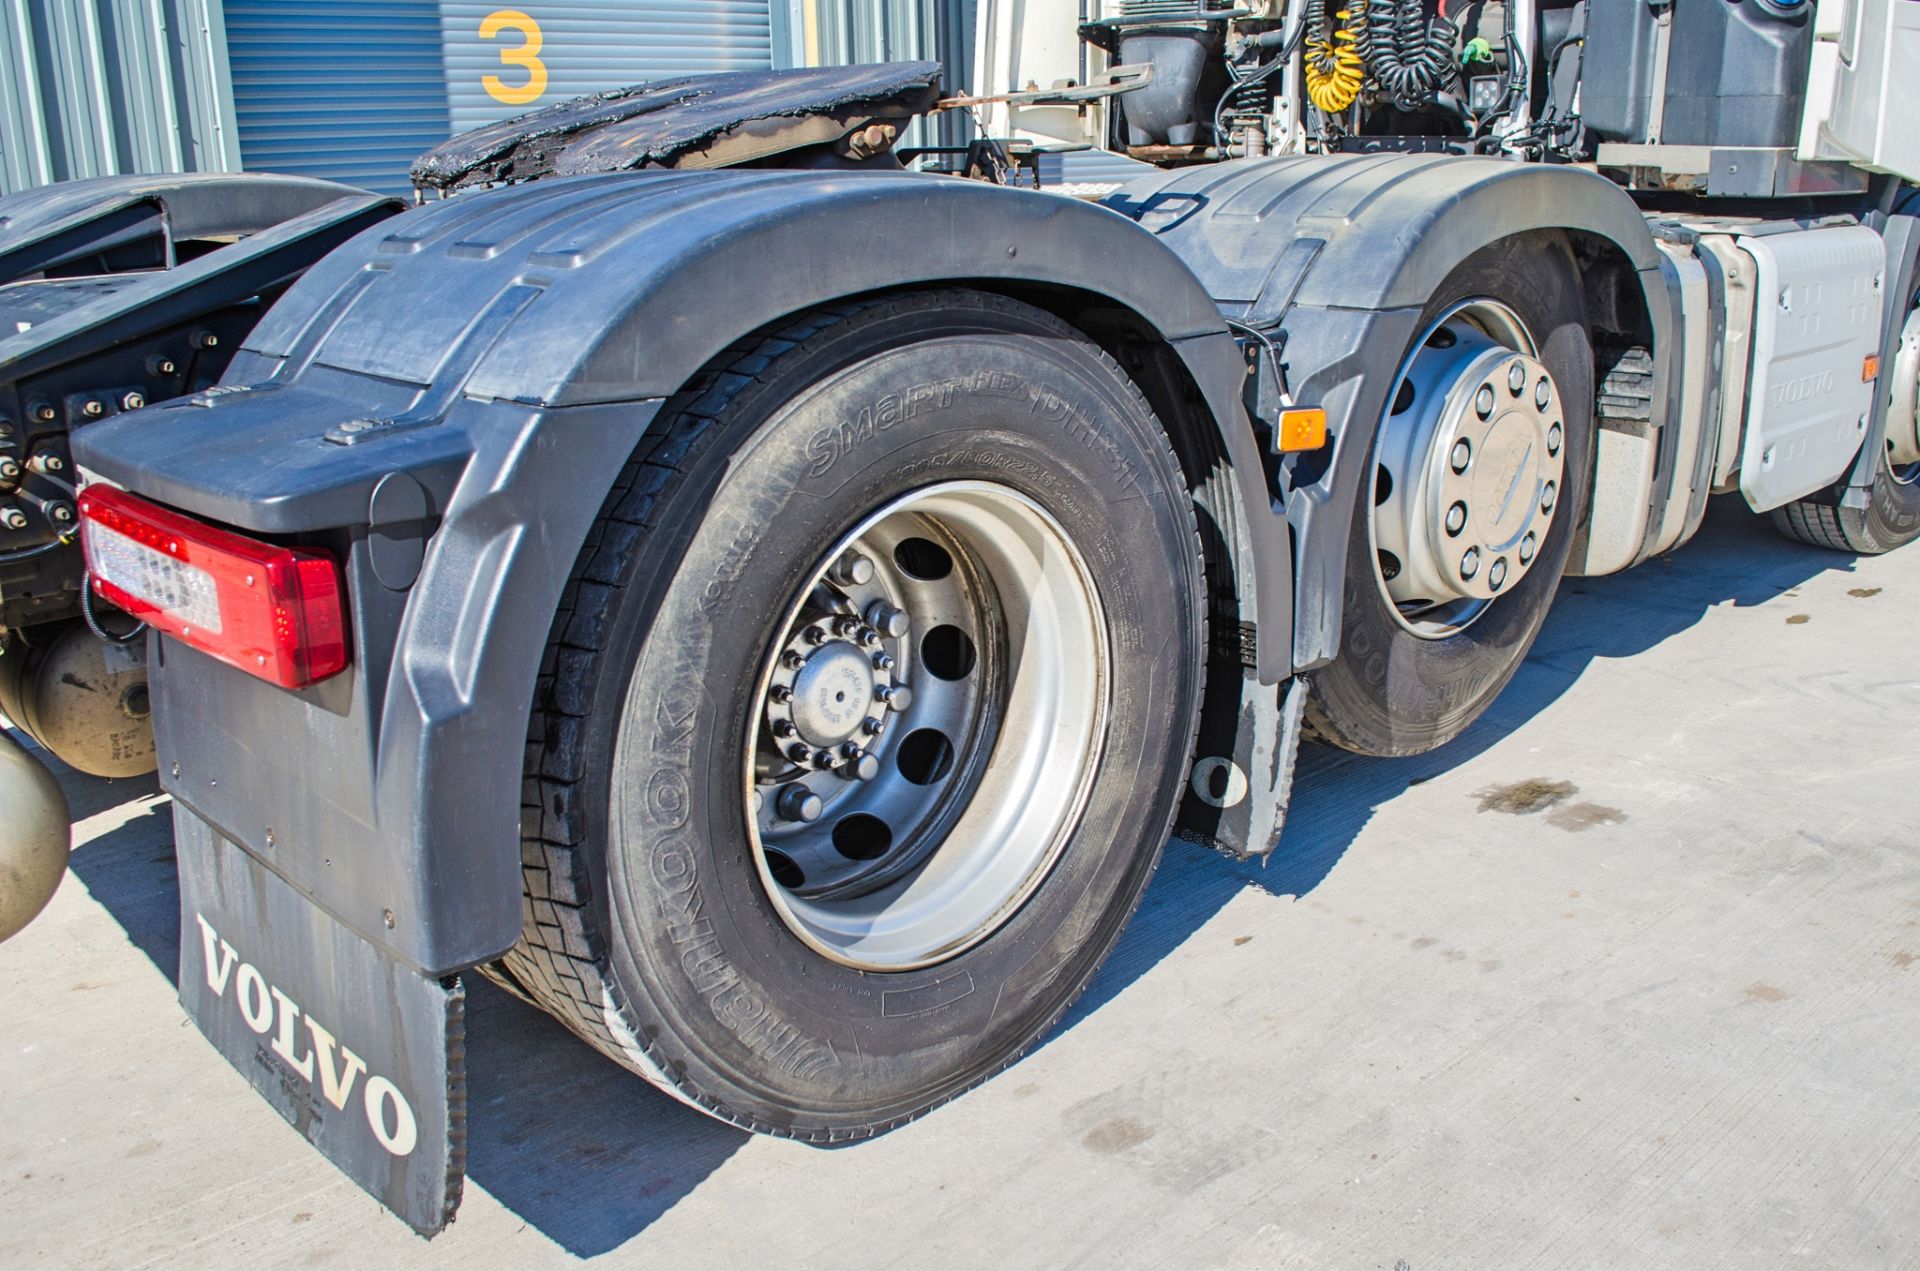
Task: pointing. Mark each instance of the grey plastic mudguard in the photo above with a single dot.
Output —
(448, 399)
(1336, 256)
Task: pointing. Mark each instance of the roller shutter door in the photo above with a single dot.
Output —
(354, 89)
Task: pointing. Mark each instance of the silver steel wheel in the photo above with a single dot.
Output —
(1903, 412)
(1467, 471)
(926, 727)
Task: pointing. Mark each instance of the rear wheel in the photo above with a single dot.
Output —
(1479, 477)
(1891, 517)
(863, 727)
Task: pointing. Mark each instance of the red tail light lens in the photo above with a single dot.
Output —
(274, 612)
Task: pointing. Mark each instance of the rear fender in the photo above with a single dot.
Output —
(448, 400)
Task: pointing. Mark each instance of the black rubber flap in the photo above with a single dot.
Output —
(357, 1051)
(654, 124)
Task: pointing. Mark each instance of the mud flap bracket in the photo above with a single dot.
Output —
(1242, 777)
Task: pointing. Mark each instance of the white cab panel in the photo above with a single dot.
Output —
(1816, 321)
(1863, 90)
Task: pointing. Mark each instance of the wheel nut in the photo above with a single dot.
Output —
(817, 635)
(1546, 497)
(1542, 393)
(863, 767)
(888, 621)
(823, 759)
(869, 638)
(1516, 378)
(852, 570)
(883, 661)
(798, 753)
(792, 660)
(896, 698)
(1553, 440)
(797, 803)
(783, 728)
(1462, 455)
(1456, 518)
(1470, 563)
(1497, 573)
(873, 727)
(781, 694)
(1526, 549)
(1483, 401)
(846, 628)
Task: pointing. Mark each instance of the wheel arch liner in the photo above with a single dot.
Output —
(390, 796)
(1338, 255)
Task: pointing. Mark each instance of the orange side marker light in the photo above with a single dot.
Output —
(1303, 428)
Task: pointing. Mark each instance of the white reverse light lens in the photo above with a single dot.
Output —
(173, 585)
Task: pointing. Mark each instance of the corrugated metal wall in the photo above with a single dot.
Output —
(355, 89)
(96, 87)
(839, 32)
(349, 90)
(588, 46)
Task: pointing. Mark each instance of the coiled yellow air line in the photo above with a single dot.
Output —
(1335, 67)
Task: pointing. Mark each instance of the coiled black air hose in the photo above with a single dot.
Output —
(1410, 55)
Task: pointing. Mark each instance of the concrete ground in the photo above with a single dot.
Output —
(1629, 976)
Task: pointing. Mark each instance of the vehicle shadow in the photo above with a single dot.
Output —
(591, 1157)
(1736, 559)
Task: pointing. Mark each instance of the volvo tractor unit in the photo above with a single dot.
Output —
(766, 593)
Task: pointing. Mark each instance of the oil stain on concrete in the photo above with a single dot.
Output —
(1543, 794)
(1117, 1134)
(1575, 817)
(1523, 798)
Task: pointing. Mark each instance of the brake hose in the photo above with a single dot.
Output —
(1336, 65)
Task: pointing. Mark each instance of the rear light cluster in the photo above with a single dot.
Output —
(274, 612)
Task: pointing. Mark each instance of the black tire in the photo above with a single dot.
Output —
(1891, 518)
(648, 930)
(1391, 692)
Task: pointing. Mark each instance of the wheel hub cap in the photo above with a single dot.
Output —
(829, 697)
(1468, 470)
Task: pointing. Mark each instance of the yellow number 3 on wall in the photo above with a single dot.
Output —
(527, 56)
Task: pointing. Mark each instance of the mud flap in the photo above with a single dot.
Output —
(359, 1052)
(1241, 782)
